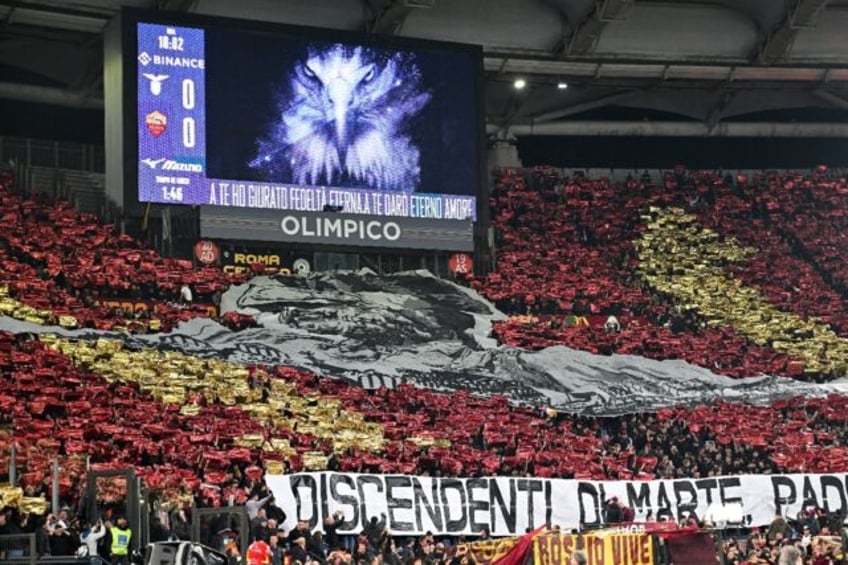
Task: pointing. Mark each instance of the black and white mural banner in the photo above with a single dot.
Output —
(507, 506)
(379, 331)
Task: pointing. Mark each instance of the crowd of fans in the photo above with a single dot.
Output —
(565, 252)
(66, 268)
(70, 533)
(818, 538)
(65, 534)
(568, 270)
(814, 535)
(71, 411)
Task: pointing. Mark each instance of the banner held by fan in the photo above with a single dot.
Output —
(613, 549)
(515, 550)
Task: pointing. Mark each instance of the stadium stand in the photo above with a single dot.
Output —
(577, 240)
(573, 235)
(57, 262)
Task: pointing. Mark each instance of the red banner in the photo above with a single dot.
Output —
(142, 306)
(522, 550)
(514, 550)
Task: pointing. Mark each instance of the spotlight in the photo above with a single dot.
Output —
(519, 83)
(562, 85)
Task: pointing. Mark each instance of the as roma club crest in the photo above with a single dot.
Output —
(206, 252)
(156, 122)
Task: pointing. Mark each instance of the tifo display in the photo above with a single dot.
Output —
(287, 295)
(353, 395)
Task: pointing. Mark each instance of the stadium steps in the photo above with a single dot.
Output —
(86, 191)
(42, 180)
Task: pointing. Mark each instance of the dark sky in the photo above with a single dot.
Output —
(695, 152)
(42, 121)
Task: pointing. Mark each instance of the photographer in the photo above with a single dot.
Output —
(331, 526)
(89, 538)
(62, 538)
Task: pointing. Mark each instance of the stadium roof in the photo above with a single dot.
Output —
(700, 63)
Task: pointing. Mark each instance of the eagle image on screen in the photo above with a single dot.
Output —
(345, 119)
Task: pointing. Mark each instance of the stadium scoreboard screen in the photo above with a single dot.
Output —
(300, 135)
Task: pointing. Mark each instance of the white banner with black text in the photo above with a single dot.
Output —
(506, 506)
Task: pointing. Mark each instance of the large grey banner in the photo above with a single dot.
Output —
(336, 229)
(382, 331)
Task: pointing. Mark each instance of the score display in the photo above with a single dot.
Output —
(233, 117)
(171, 114)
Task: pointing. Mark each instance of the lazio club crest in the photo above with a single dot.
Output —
(156, 122)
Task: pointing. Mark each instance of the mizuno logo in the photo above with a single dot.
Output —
(152, 163)
(171, 165)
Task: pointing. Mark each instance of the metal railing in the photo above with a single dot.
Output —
(53, 154)
(18, 549)
(85, 190)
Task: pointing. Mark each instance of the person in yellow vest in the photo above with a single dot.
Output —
(120, 545)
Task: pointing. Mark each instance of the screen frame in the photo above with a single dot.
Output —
(131, 17)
